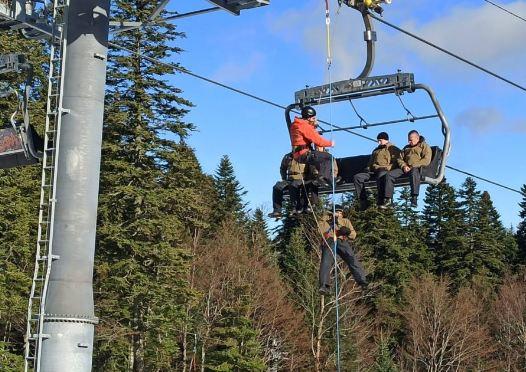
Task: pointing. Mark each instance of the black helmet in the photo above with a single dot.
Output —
(308, 112)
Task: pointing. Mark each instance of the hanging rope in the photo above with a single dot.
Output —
(328, 33)
(333, 184)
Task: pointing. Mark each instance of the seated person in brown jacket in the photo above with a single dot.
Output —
(415, 155)
(382, 160)
(292, 174)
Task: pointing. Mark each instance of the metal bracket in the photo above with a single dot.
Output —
(356, 88)
(13, 62)
(23, 15)
(236, 6)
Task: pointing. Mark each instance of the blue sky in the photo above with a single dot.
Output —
(276, 50)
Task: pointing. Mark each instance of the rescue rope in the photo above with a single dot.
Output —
(333, 185)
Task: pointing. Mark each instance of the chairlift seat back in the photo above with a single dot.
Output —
(352, 165)
(12, 151)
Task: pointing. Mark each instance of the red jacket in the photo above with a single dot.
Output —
(304, 134)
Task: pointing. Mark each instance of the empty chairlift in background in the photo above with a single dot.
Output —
(19, 143)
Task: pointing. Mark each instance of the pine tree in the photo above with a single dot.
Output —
(443, 222)
(258, 230)
(19, 192)
(230, 192)
(396, 254)
(150, 201)
(384, 359)
(521, 229)
(237, 347)
(488, 242)
(407, 216)
(469, 203)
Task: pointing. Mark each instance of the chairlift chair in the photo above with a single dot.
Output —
(348, 90)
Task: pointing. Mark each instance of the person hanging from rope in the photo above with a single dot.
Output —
(382, 160)
(303, 135)
(413, 157)
(291, 173)
(345, 235)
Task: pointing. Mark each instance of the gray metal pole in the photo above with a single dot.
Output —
(69, 311)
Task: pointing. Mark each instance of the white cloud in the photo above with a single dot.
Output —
(237, 71)
(483, 34)
(482, 120)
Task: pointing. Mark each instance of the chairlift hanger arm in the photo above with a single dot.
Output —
(369, 35)
(445, 131)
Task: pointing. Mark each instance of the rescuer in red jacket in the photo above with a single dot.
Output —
(303, 135)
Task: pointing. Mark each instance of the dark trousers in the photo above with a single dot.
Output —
(414, 181)
(321, 160)
(312, 194)
(305, 193)
(361, 178)
(296, 195)
(346, 252)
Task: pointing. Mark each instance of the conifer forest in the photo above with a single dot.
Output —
(189, 278)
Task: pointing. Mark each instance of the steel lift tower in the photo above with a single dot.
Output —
(61, 318)
(61, 314)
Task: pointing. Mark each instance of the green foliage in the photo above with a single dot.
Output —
(152, 197)
(229, 191)
(298, 267)
(488, 246)
(384, 361)
(237, 347)
(395, 255)
(521, 229)
(19, 192)
(408, 217)
(443, 222)
(258, 230)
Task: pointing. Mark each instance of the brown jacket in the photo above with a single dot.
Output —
(290, 169)
(383, 157)
(326, 223)
(415, 156)
(296, 170)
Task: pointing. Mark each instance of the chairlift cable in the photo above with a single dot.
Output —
(506, 10)
(449, 53)
(260, 99)
(486, 180)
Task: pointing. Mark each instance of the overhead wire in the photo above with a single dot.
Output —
(505, 10)
(473, 64)
(260, 99)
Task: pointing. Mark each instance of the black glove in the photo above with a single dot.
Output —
(343, 231)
